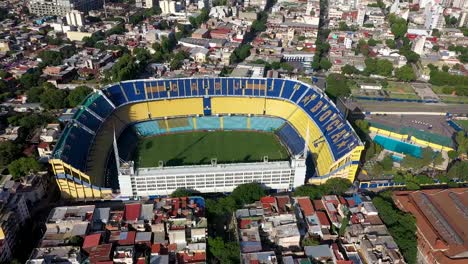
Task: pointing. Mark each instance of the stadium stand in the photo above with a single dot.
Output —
(84, 145)
(265, 123)
(208, 123)
(149, 128)
(291, 139)
(235, 123)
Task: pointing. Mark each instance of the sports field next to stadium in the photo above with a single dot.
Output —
(196, 148)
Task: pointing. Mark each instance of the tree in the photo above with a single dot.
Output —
(390, 43)
(387, 163)
(344, 225)
(124, 69)
(452, 154)
(325, 64)
(398, 27)
(458, 171)
(183, 192)
(349, 69)
(435, 48)
(337, 186)
(31, 79)
(225, 252)
(402, 226)
(405, 73)
(77, 95)
(372, 42)
(51, 58)
(22, 167)
(34, 94)
(411, 56)
(312, 191)
(384, 68)
(53, 98)
(337, 86)
(310, 241)
(248, 193)
(9, 151)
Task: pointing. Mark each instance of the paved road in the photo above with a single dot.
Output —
(376, 106)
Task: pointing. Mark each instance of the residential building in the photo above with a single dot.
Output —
(62, 7)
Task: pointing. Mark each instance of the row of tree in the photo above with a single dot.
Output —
(51, 97)
(402, 226)
(381, 67)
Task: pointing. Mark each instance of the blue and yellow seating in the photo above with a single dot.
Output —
(85, 142)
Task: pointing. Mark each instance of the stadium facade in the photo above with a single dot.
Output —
(80, 159)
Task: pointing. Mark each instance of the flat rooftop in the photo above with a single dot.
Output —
(219, 168)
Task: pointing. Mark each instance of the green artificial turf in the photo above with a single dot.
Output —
(195, 148)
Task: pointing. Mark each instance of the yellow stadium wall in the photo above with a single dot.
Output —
(73, 190)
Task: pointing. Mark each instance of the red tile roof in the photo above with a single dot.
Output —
(318, 205)
(268, 199)
(91, 240)
(191, 258)
(244, 223)
(306, 206)
(132, 212)
(323, 219)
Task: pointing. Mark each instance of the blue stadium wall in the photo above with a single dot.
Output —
(79, 158)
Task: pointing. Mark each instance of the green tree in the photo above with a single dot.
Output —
(248, 193)
(184, 192)
(372, 42)
(34, 94)
(390, 43)
(50, 57)
(22, 167)
(387, 163)
(312, 191)
(310, 241)
(402, 226)
(224, 252)
(53, 98)
(458, 171)
(344, 225)
(336, 186)
(125, 68)
(325, 64)
(452, 154)
(384, 68)
(405, 73)
(349, 69)
(9, 151)
(398, 27)
(337, 86)
(77, 95)
(31, 79)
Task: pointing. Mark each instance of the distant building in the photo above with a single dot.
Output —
(145, 3)
(167, 6)
(61, 7)
(441, 220)
(75, 18)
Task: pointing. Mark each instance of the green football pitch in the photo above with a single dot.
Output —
(196, 148)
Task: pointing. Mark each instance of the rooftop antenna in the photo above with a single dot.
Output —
(116, 153)
(105, 9)
(306, 143)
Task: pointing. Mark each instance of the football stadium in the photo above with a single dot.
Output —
(145, 138)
